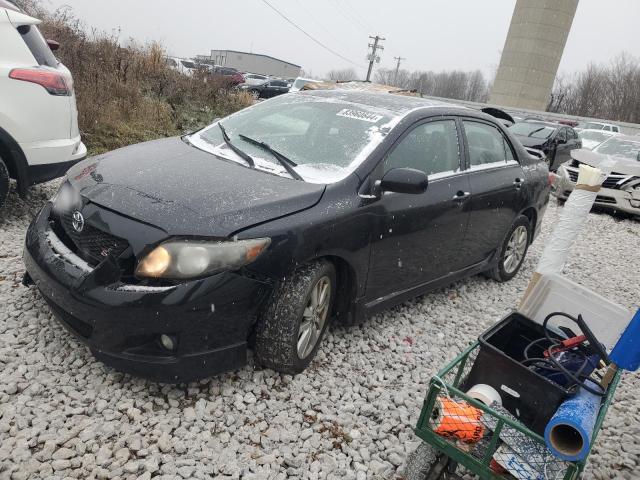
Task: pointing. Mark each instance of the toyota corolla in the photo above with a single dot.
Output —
(171, 258)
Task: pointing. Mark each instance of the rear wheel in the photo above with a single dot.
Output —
(513, 250)
(4, 182)
(290, 329)
(255, 94)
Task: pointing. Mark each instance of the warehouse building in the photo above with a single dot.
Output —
(252, 62)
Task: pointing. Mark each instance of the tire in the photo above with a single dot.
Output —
(4, 182)
(255, 94)
(420, 461)
(513, 250)
(279, 342)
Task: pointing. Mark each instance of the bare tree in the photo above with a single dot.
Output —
(342, 75)
(604, 91)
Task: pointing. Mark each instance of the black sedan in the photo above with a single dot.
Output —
(171, 258)
(268, 89)
(555, 140)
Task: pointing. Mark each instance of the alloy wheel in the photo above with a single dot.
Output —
(314, 317)
(516, 248)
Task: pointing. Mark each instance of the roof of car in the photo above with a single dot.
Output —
(625, 138)
(396, 103)
(546, 124)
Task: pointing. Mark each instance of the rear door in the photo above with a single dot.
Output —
(416, 238)
(496, 182)
(564, 145)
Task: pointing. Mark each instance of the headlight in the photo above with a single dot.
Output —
(184, 259)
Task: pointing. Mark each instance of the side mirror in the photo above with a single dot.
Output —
(53, 45)
(404, 180)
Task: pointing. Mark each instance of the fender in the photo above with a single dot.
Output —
(16, 161)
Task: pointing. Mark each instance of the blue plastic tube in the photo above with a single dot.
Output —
(568, 433)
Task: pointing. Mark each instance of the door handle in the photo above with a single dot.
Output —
(518, 182)
(461, 196)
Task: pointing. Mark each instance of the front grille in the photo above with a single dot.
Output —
(92, 244)
(603, 199)
(610, 182)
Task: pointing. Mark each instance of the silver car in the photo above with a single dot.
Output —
(621, 189)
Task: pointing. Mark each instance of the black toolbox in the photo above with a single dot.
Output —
(529, 396)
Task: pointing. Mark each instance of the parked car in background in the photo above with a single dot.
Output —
(300, 82)
(607, 127)
(230, 76)
(254, 79)
(39, 136)
(265, 225)
(621, 189)
(268, 89)
(592, 138)
(182, 65)
(555, 140)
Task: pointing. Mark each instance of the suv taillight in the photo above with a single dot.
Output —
(54, 82)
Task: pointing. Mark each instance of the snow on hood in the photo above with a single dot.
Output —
(607, 163)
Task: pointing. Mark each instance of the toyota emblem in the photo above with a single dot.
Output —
(77, 221)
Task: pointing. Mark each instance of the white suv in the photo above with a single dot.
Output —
(39, 136)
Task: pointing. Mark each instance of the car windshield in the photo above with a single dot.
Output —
(327, 138)
(595, 136)
(188, 64)
(620, 148)
(533, 130)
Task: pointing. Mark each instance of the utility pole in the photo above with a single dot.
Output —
(395, 77)
(373, 57)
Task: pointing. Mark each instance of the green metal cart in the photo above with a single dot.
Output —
(440, 457)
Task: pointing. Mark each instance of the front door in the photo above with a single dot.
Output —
(497, 182)
(416, 237)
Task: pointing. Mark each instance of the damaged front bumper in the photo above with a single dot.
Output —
(208, 320)
(623, 197)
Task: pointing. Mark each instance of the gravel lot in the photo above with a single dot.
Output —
(350, 416)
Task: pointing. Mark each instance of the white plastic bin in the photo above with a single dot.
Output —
(555, 293)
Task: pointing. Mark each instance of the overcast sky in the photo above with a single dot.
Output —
(431, 34)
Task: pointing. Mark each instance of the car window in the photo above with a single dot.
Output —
(37, 45)
(562, 134)
(431, 147)
(278, 83)
(607, 128)
(615, 129)
(486, 144)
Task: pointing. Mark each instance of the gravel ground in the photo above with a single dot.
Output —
(349, 416)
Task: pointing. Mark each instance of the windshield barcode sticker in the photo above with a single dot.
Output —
(358, 115)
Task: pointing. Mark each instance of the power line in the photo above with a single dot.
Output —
(309, 36)
(360, 18)
(348, 17)
(313, 17)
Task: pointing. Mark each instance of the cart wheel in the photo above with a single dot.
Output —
(420, 461)
(443, 469)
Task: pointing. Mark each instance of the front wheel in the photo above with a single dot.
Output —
(255, 94)
(513, 250)
(291, 327)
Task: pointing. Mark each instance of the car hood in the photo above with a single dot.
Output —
(625, 166)
(186, 191)
(531, 141)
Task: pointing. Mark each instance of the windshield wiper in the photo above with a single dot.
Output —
(536, 131)
(235, 149)
(284, 161)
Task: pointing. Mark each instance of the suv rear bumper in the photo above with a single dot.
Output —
(49, 160)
